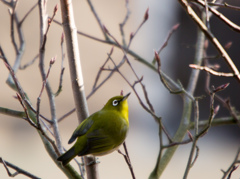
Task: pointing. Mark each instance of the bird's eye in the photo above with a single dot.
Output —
(115, 102)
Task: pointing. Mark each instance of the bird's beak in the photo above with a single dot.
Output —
(126, 96)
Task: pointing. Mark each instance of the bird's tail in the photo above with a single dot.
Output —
(67, 156)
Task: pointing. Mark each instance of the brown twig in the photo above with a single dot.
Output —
(2, 56)
(194, 139)
(226, 5)
(224, 102)
(110, 42)
(62, 67)
(121, 25)
(207, 14)
(133, 34)
(22, 98)
(66, 115)
(44, 29)
(43, 86)
(27, 14)
(18, 87)
(232, 167)
(150, 110)
(213, 112)
(130, 52)
(211, 37)
(157, 58)
(127, 159)
(165, 43)
(97, 18)
(101, 69)
(211, 71)
(232, 25)
(196, 156)
(28, 119)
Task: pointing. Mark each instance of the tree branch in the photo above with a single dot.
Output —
(18, 170)
(70, 33)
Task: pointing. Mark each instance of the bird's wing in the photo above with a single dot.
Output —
(98, 143)
(81, 129)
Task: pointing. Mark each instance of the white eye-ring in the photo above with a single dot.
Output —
(115, 102)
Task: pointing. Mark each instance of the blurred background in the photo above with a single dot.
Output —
(20, 144)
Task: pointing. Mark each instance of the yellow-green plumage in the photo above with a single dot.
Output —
(102, 132)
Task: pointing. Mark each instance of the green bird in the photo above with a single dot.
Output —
(102, 132)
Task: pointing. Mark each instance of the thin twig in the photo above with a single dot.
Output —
(127, 159)
(225, 103)
(97, 18)
(27, 14)
(2, 56)
(226, 5)
(213, 72)
(101, 69)
(66, 115)
(232, 167)
(18, 86)
(121, 25)
(194, 147)
(44, 29)
(23, 97)
(132, 35)
(18, 48)
(213, 112)
(62, 67)
(18, 170)
(196, 156)
(29, 63)
(207, 14)
(165, 43)
(12, 14)
(232, 25)
(157, 58)
(104, 80)
(43, 86)
(211, 37)
(28, 119)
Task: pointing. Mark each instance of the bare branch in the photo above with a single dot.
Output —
(97, 18)
(62, 67)
(121, 25)
(44, 28)
(165, 43)
(66, 115)
(232, 167)
(211, 37)
(70, 34)
(213, 72)
(27, 14)
(29, 63)
(28, 119)
(127, 159)
(18, 170)
(232, 25)
(226, 5)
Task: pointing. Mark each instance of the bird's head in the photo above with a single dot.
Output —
(118, 103)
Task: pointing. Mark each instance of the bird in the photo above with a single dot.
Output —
(102, 132)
